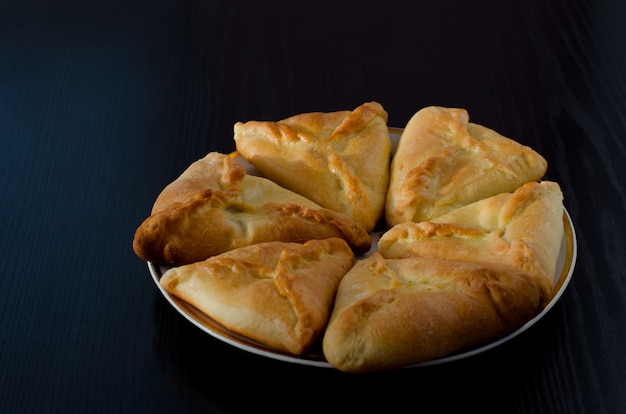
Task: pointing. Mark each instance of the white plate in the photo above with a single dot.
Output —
(564, 271)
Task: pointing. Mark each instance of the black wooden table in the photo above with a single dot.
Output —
(103, 103)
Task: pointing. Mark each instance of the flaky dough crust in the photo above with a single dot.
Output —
(391, 313)
(443, 162)
(437, 287)
(340, 160)
(279, 294)
(522, 229)
(214, 207)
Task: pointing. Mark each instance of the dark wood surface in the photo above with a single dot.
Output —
(102, 103)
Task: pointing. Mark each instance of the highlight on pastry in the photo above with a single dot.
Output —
(279, 294)
(214, 207)
(339, 160)
(444, 162)
(522, 229)
(392, 313)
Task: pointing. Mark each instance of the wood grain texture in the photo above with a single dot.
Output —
(103, 103)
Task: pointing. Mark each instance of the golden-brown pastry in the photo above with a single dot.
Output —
(279, 294)
(460, 280)
(214, 206)
(340, 160)
(443, 162)
(522, 229)
(391, 313)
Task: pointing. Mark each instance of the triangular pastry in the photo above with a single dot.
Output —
(460, 280)
(214, 207)
(392, 313)
(340, 160)
(443, 162)
(522, 229)
(279, 294)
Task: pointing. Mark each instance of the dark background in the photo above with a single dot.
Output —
(102, 103)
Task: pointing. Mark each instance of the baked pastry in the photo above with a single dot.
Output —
(391, 313)
(470, 258)
(522, 229)
(443, 162)
(279, 294)
(214, 207)
(436, 287)
(340, 160)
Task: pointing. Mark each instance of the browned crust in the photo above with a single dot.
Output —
(391, 313)
(276, 293)
(522, 229)
(340, 160)
(191, 222)
(444, 162)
